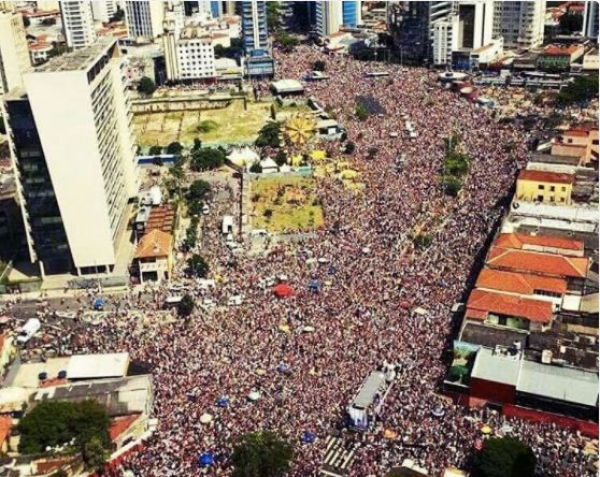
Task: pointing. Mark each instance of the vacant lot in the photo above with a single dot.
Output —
(285, 204)
(232, 124)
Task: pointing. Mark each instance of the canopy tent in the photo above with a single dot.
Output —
(206, 459)
(223, 401)
(283, 290)
(98, 303)
(308, 437)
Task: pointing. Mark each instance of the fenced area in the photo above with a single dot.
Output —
(232, 124)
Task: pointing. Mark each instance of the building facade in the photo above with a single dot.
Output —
(78, 23)
(72, 145)
(591, 20)
(14, 53)
(521, 24)
(145, 19)
(104, 11)
(255, 36)
(544, 187)
(191, 56)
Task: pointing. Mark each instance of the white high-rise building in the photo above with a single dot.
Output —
(145, 19)
(591, 20)
(14, 54)
(520, 23)
(103, 11)
(72, 144)
(190, 54)
(78, 23)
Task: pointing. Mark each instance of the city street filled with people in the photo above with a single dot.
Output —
(292, 364)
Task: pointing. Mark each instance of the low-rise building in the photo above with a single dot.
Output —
(580, 141)
(153, 258)
(545, 187)
(559, 57)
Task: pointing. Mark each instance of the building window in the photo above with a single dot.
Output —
(541, 187)
(552, 188)
(563, 189)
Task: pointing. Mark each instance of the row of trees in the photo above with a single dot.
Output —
(456, 167)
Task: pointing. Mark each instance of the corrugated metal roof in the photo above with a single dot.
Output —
(90, 366)
(559, 383)
(496, 367)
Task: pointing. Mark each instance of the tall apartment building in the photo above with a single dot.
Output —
(413, 24)
(591, 20)
(332, 15)
(469, 27)
(78, 23)
(14, 54)
(520, 23)
(189, 54)
(72, 145)
(255, 36)
(104, 11)
(145, 19)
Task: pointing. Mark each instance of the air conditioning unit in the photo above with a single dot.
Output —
(547, 356)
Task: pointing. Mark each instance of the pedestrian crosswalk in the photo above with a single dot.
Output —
(338, 457)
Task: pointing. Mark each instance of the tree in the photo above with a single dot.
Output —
(273, 15)
(261, 454)
(146, 86)
(319, 65)
(350, 147)
(422, 241)
(174, 148)
(361, 112)
(452, 185)
(269, 135)
(56, 423)
(198, 191)
(158, 161)
(505, 457)
(207, 159)
(281, 158)
(571, 22)
(582, 89)
(197, 145)
(95, 456)
(198, 266)
(186, 306)
(48, 21)
(286, 41)
(155, 151)
(256, 168)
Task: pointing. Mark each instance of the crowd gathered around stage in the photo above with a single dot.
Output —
(373, 278)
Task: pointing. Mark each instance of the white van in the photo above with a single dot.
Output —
(28, 330)
(227, 226)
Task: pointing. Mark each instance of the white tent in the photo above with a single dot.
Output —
(243, 157)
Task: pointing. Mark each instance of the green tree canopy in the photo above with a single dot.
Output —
(155, 150)
(506, 457)
(198, 190)
(56, 423)
(207, 159)
(286, 41)
(186, 306)
(146, 86)
(174, 148)
(198, 266)
(256, 168)
(361, 112)
(583, 88)
(273, 15)
(269, 135)
(281, 158)
(261, 454)
(95, 455)
(319, 65)
(350, 147)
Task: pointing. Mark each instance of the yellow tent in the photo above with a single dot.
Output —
(296, 160)
(318, 155)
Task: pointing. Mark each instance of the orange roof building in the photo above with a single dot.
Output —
(520, 283)
(490, 306)
(501, 258)
(541, 243)
(155, 244)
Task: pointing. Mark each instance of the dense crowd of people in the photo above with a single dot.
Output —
(363, 317)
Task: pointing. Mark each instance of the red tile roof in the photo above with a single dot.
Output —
(484, 302)
(520, 241)
(536, 262)
(155, 244)
(546, 176)
(119, 425)
(555, 50)
(522, 283)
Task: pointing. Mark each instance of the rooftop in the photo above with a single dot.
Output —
(560, 383)
(555, 50)
(529, 242)
(78, 60)
(497, 365)
(490, 336)
(94, 366)
(546, 176)
(483, 302)
(155, 244)
(535, 262)
(522, 283)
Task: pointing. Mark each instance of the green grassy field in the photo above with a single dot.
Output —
(285, 203)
